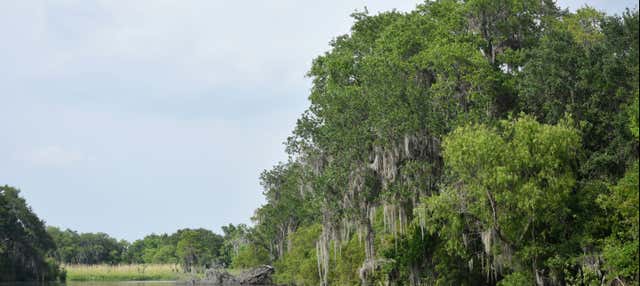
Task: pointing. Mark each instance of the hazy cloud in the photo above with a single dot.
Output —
(53, 156)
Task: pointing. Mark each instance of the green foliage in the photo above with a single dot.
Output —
(480, 142)
(189, 247)
(299, 265)
(633, 112)
(288, 206)
(86, 248)
(512, 185)
(153, 249)
(198, 247)
(621, 247)
(516, 279)
(347, 261)
(234, 238)
(411, 107)
(585, 26)
(24, 242)
(250, 256)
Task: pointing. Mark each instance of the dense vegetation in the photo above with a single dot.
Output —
(86, 248)
(479, 142)
(463, 143)
(24, 242)
(29, 251)
(191, 248)
(125, 272)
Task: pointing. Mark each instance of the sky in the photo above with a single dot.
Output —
(139, 117)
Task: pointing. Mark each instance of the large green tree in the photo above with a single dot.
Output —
(505, 204)
(24, 242)
(538, 188)
(198, 247)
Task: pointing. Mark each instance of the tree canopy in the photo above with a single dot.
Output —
(467, 143)
(25, 244)
(478, 142)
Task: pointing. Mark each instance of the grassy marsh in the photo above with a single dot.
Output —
(124, 272)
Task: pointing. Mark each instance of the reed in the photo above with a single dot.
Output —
(124, 272)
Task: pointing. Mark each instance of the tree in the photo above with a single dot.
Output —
(24, 242)
(86, 248)
(198, 247)
(507, 191)
(544, 198)
(622, 204)
(235, 237)
(288, 206)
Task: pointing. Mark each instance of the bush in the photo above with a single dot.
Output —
(250, 256)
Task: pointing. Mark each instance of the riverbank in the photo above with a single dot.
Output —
(125, 272)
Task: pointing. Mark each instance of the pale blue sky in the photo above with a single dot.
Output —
(133, 117)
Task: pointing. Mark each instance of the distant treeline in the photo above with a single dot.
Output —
(30, 251)
(188, 247)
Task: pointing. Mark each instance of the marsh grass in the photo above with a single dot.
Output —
(124, 272)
